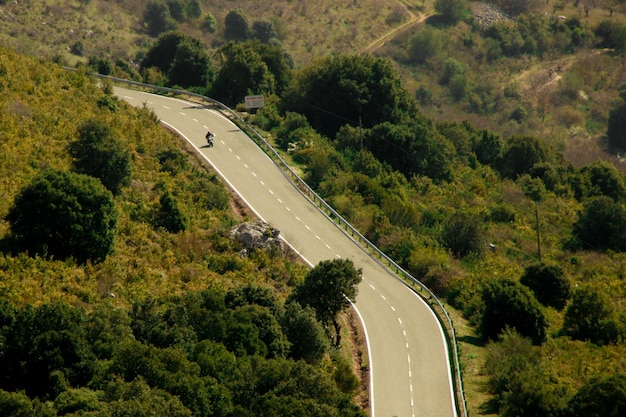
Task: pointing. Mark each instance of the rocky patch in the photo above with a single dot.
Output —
(257, 235)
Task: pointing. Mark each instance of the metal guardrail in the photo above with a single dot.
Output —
(431, 299)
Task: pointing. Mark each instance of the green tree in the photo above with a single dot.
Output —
(270, 334)
(243, 72)
(463, 234)
(507, 303)
(177, 9)
(604, 179)
(305, 333)
(451, 68)
(181, 58)
(98, 153)
(424, 45)
(191, 66)
(193, 9)
(169, 215)
(413, 147)
(549, 284)
(292, 129)
(156, 17)
(601, 225)
(489, 149)
(264, 31)
(89, 216)
(601, 397)
(106, 327)
(18, 404)
(329, 288)
(236, 26)
(137, 398)
(45, 348)
(591, 316)
(254, 294)
(210, 23)
(278, 62)
(358, 90)
(519, 382)
(163, 51)
(451, 10)
(77, 400)
(611, 34)
(522, 153)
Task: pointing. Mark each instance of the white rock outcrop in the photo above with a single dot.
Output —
(257, 235)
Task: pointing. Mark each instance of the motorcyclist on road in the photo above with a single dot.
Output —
(209, 138)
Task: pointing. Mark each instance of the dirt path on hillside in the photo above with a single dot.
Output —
(546, 75)
(413, 20)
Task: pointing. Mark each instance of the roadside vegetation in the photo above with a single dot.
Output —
(479, 148)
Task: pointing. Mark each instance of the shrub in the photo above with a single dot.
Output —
(605, 179)
(611, 34)
(424, 45)
(157, 19)
(592, 317)
(509, 304)
(451, 10)
(601, 397)
(463, 235)
(236, 26)
(210, 23)
(99, 154)
(522, 153)
(170, 216)
(549, 284)
(600, 225)
(63, 214)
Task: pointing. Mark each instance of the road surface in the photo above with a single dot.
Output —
(410, 374)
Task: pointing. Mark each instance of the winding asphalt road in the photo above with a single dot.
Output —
(410, 373)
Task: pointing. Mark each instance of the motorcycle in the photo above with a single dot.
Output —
(209, 138)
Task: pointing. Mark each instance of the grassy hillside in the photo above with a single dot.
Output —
(511, 96)
(179, 323)
(42, 109)
(115, 29)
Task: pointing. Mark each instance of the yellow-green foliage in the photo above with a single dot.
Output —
(41, 106)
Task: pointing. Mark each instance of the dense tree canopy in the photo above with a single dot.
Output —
(63, 214)
(181, 58)
(191, 66)
(412, 147)
(243, 72)
(602, 397)
(168, 358)
(518, 380)
(349, 89)
(463, 235)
